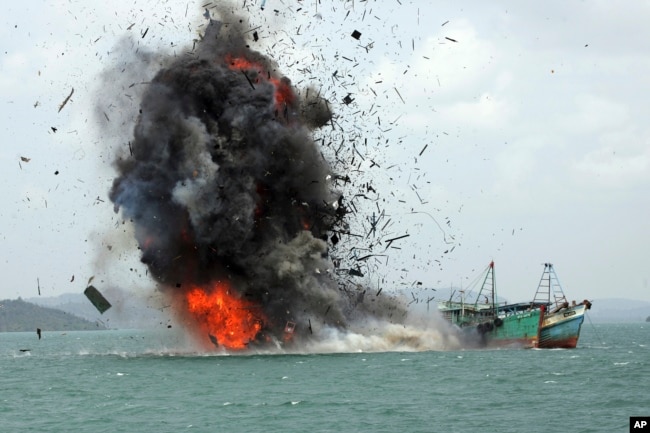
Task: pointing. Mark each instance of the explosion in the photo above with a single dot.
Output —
(233, 203)
(223, 316)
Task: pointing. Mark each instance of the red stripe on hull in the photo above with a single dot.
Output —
(564, 343)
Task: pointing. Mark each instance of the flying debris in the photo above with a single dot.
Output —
(355, 272)
(290, 327)
(390, 241)
(65, 101)
(237, 210)
(97, 299)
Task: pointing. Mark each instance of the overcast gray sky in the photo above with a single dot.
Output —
(511, 131)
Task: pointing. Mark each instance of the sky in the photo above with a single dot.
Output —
(512, 132)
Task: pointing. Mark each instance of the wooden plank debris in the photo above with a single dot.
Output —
(65, 101)
(97, 299)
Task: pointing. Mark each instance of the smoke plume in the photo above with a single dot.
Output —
(232, 202)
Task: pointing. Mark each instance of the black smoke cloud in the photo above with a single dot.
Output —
(224, 181)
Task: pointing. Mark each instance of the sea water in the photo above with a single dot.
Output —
(148, 381)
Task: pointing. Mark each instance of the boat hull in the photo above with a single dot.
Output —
(561, 330)
(517, 330)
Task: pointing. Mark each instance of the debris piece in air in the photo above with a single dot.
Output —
(290, 327)
(38, 332)
(450, 39)
(355, 272)
(65, 101)
(347, 100)
(214, 340)
(356, 34)
(97, 299)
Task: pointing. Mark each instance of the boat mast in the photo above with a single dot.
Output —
(549, 290)
(495, 307)
(489, 279)
(462, 302)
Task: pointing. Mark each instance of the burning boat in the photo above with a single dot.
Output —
(561, 322)
(491, 324)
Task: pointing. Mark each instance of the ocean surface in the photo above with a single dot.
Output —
(145, 381)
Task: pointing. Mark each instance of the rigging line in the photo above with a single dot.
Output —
(595, 331)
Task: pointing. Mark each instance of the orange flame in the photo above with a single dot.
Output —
(283, 93)
(240, 63)
(229, 320)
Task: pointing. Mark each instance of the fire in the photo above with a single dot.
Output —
(227, 319)
(240, 63)
(283, 94)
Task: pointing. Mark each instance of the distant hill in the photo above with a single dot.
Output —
(128, 311)
(18, 315)
(619, 310)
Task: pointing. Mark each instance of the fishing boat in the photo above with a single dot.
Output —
(489, 324)
(561, 322)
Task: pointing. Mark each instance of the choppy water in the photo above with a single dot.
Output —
(141, 381)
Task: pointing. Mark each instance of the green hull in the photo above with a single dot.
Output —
(519, 329)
